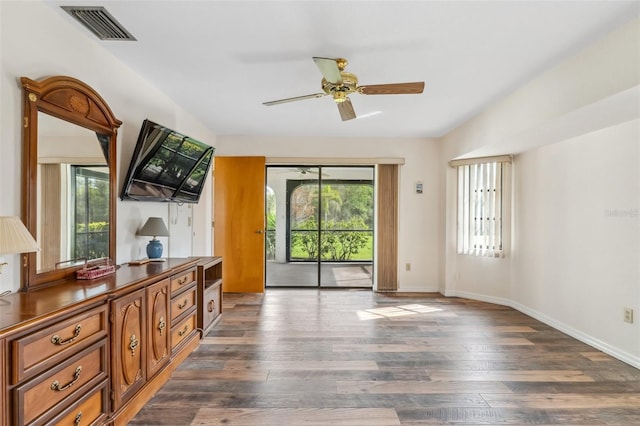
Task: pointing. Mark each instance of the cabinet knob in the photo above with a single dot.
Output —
(162, 325)
(133, 344)
(76, 421)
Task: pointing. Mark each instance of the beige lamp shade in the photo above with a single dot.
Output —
(14, 236)
(154, 227)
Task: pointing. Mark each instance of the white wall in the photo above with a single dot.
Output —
(570, 264)
(418, 214)
(577, 259)
(36, 42)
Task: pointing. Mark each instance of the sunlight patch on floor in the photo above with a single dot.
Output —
(395, 311)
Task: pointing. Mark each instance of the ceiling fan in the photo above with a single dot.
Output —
(303, 170)
(339, 84)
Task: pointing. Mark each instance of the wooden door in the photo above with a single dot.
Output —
(239, 188)
(158, 320)
(128, 343)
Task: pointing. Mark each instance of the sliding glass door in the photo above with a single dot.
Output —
(319, 226)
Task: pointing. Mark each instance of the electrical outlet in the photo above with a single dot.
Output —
(407, 266)
(628, 315)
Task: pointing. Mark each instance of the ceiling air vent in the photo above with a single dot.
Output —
(99, 21)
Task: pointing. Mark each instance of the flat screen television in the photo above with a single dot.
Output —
(166, 166)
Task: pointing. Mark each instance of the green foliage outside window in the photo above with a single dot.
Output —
(346, 223)
(340, 241)
(91, 213)
(346, 210)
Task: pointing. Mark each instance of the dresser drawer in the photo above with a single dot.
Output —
(63, 385)
(181, 281)
(183, 329)
(89, 410)
(182, 303)
(37, 351)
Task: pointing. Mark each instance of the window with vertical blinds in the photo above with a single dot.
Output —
(480, 208)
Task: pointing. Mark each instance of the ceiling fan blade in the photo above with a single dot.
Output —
(297, 98)
(329, 69)
(393, 89)
(346, 110)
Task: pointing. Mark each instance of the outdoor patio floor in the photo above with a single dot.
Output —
(352, 274)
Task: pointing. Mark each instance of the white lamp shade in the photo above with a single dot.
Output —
(14, 236)
(154, 227)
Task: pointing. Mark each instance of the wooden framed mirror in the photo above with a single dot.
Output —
(69, 178)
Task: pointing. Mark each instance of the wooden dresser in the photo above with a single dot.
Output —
(92, 352)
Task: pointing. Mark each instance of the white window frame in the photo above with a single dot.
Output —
(481, 205)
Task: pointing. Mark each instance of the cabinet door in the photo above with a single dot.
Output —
(129, 346)
(158, 326)
(212, 306)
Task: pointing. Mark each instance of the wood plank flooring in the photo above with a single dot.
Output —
(346, 357)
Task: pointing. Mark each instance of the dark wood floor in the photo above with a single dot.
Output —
(340, 357)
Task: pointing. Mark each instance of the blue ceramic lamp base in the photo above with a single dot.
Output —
(154, 249)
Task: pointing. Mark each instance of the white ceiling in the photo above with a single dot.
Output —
(221, 59)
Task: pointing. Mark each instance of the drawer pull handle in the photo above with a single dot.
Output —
(76, 376)
(210, 305)
(57, 340)
(162, 325)
(133, 344)
(183, 304)
(183, 331)
(76, 421)
(183, 280)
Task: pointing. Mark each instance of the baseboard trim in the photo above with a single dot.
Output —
(558, 325)
(410, 289)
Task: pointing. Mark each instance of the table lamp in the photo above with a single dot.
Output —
(154, 227)
(15, 238)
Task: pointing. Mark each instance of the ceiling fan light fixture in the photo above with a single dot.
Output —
(340, 96)
(341, 63)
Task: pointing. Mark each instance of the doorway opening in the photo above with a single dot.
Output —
(319, 226)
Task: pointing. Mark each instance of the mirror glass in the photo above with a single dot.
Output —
(72, 194)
